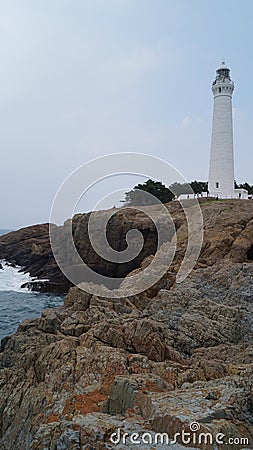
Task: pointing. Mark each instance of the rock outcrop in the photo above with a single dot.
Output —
(152, 363)
(228, 228)
(30, 248)
(79, 372)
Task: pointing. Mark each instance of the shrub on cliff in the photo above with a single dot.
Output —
(137, 197)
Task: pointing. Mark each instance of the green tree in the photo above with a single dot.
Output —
(158, 191)
(180, 188)
(195, 187)
(199, 186)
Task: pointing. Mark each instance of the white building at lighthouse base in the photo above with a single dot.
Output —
(239, 194)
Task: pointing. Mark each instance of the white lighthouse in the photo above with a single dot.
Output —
(221, 169)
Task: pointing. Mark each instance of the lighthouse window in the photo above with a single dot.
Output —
(219, 89)
(217, 185)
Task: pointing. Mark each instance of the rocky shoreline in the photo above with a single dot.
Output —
(30, 249)
(228, 234)
(157, 361)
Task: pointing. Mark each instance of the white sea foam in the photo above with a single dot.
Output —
(11, 279)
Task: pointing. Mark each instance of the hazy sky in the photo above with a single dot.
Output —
(82, 78)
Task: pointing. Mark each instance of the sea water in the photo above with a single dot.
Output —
(18, 304)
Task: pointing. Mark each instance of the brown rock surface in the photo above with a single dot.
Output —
(228, 229)
(154, 362)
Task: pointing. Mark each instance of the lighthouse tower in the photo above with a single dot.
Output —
(221, 169)
(221, 180)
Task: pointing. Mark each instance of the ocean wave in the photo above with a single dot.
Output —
(12, 278)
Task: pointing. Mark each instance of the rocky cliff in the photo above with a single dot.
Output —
(154, 362)
(30, 248)
(228, 229)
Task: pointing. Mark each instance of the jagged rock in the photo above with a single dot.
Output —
(228, 233)
(156, 361)
(125, 389)
(181, 350)
(45, 286)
